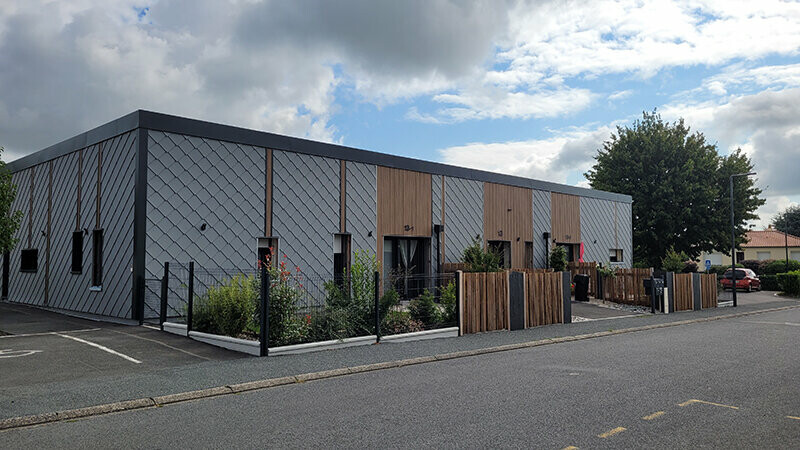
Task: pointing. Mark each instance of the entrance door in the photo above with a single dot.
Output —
(503, 249)
(405, 262)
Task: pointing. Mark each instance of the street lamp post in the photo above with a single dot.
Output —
(786, 247)
(733, 235)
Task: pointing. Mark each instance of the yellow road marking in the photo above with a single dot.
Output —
(655, 415)
(610, 433)
(793, 417)
(571, 447)
(689, 402)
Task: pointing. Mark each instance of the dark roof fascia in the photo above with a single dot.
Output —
(103, 132)
(209, 130)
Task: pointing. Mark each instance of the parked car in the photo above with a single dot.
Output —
(745, 279)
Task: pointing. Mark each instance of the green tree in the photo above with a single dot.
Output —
(788, 220)
(679, 185)
(9, 220)
(558, 258)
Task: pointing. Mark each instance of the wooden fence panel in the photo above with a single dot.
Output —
(453, 267)
(485, 302)
(627, 287)
(585, 268)
(544, 299)
(684, 294)
(708, 289)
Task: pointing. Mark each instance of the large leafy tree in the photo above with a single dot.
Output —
(9, 220)
(679, 185)
(788, 220)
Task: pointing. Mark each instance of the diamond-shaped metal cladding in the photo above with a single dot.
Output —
(463, 210)
(192, 181)
(305, 204)
(361, 206)
(541, 224)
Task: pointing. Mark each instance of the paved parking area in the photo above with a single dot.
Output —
(38, 346)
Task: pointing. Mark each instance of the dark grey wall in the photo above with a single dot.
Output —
(361, 204)
(463, 210)
(305, 210)
(541, 224)
(191, 181)
(70, 291)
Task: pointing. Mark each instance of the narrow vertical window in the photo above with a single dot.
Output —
(77, 252)
(529, 254)
(341, 257)
(97, 258)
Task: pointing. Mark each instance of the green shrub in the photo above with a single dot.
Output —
(424, 309)
(756, 265)
(674, 261)
(397, 322)
(448, 302)
(607, 271)
(558, 258)
(790, 282)
(480, 260)
(777, 266)
(227, 308)
(769, 283)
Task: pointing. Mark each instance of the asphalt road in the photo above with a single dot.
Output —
(730, 383)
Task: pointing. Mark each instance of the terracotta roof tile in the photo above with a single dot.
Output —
(770, 238)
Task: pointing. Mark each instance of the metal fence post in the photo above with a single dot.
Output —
(164, 296)
(516, 300)
(652, 294)
(377, 309)
(263, 336)
(191, 297)
(458, 301)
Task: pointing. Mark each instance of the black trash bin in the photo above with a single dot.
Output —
(581, 287)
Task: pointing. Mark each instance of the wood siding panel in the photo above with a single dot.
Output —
(404, 199)
(508, 209)
(565, 218)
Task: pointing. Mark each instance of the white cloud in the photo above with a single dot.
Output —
(551, 159)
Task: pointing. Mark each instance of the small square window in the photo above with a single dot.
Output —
(97, 257)
(615, 255)
(29, 261)
(77, 252)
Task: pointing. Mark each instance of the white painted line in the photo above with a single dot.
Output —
(8, 353)
(48, 333)
(791, 324)
(105, 349)
(161, 343)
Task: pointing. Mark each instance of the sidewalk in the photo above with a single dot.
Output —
(55, 396)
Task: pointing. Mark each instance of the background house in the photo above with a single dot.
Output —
(761, 245)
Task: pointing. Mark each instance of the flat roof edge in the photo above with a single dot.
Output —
(106, 131)
(210, 130)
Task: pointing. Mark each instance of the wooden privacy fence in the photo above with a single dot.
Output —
(683, 292)
(708, 289)
(544, 298)
(585, 268)
(453, 267)
(485, 302)
(529, 271)
(627, 287)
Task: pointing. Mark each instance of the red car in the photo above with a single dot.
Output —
(745, 279)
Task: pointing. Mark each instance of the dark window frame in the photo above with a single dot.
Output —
(618, 255)
(97, 258)
(77, 253)
(24, 255)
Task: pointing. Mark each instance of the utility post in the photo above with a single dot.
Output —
(733, 234)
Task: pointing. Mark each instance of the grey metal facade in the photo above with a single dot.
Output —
(54, 285)
(197, 191)
(463, 215)
(194, 181)
(541, 224)
(361, 206)
(305, 210)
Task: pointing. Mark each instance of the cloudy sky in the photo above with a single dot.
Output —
(526, 88)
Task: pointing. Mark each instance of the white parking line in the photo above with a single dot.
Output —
(105, 349)
(791, 324)
(48, 333)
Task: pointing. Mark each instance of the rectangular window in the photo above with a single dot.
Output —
(97, 258)
(77, 252)
(763, 256)
(615, 255)
(795, 255)
(739, 256)
(29, 261)
(503, 249)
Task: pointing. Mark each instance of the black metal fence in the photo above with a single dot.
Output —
(299, 307)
